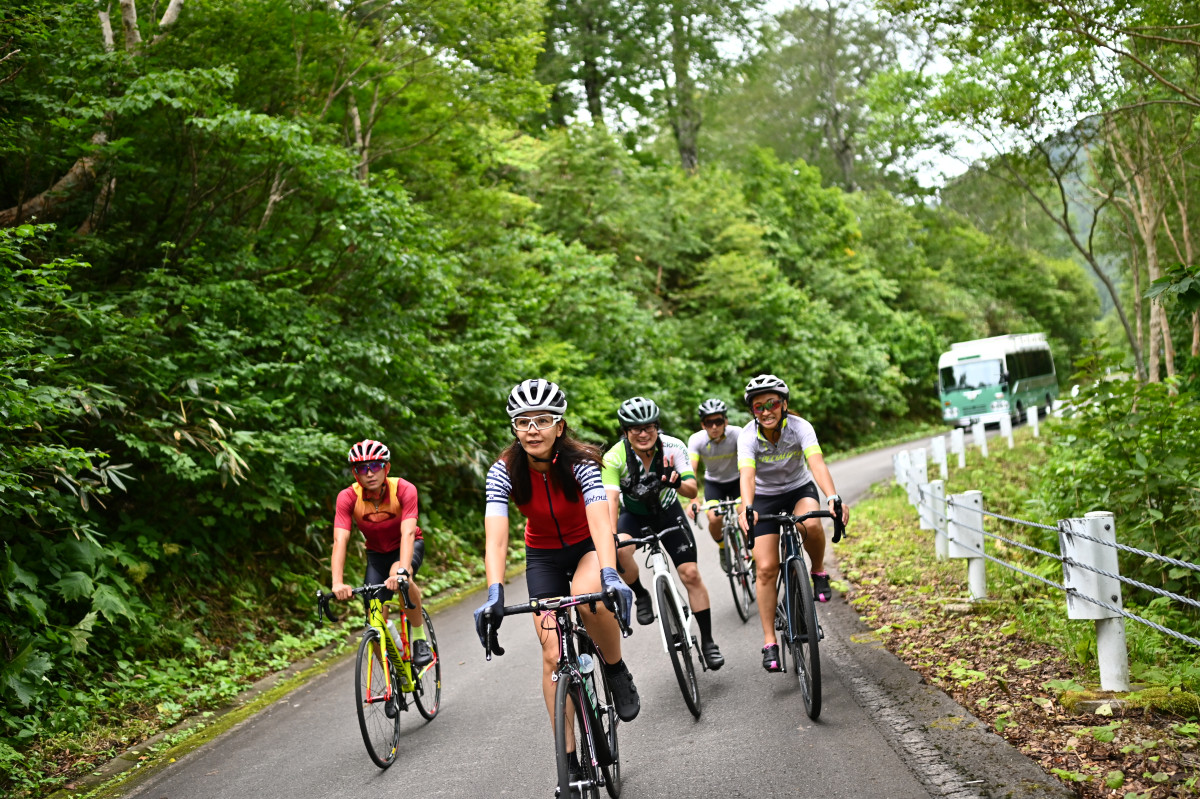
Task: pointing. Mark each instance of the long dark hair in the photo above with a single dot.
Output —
(568, 452)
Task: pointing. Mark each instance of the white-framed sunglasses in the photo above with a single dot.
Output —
(524, 424)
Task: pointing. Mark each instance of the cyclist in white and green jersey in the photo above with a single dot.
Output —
(715, 445)
(781, 466)
(644, 475)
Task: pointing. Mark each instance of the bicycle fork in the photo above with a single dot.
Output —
(658, 566)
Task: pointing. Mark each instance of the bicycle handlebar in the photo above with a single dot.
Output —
(839, 529)
(633, 542)
(607, 598)
(720, 506)
(323, 599)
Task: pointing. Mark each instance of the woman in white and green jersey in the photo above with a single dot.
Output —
(781, 467)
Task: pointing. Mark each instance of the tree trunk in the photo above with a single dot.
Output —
(49, 205)
(685, 122)
(133, 36)
(593, 75)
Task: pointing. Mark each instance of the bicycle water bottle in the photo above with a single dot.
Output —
(396, 639)
(587, 666)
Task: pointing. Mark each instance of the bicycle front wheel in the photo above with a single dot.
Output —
(679, 647)
(804, 635)
(606, 725)
(378, 701)
(428, 691)
(568, 699)
(741, 571)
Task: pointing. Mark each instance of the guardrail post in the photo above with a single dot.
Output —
(901, 463)
(1111, 651)
(937, 495)
(1006, 430)
(958, 445)
(937, 446)
(966, 538)
(1032, 415)
(979, 437)
(917, 474)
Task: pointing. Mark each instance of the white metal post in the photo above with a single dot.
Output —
(1111, 651)
(941, 544)
(979, 437)
(902, 463)
(958, 445)
(918, 473)
(1006, 430)
(937, 450)
(1032, 415)
(966, 538)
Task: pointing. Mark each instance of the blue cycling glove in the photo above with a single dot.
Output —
(493, 611)
(610, 580)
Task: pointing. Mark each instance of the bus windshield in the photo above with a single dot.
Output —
(971, 375)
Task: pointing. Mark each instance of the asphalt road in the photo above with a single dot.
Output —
(881, 732)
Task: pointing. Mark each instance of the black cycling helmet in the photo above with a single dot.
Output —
(711, 407)
(765, 384)
(637, 411)
(536, 395)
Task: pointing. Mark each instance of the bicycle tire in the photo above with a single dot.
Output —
(678, 646)
(606, 723)
(427, 688)
(804, 636)
(741, 572)
(569, 694)
(380, 733)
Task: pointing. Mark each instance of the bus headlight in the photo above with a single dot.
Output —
(950, 412)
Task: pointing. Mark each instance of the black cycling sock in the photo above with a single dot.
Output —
(704, 619)
(619, 667)
(638, 588)
(573, 761)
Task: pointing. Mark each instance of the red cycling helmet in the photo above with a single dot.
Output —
(369, 450)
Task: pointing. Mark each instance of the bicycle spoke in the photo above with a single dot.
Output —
(378, 702)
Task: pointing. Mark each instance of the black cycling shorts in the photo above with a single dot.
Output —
(679, 544)
(548, 572)
(719, 491)
(379, 565)
(781, 503)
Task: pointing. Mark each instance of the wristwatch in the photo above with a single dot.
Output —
(401, 572)
(833, 498)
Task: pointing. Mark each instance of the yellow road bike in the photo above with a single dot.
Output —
(385, 677)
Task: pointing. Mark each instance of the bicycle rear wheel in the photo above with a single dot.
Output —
(428, 692)
(678, 645)
(741, 571)
(568, 699)
(378, 701)
(804, 635)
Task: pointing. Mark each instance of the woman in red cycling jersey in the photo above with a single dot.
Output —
(554, 480)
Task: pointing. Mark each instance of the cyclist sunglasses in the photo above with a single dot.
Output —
(714, 421)
(526, 423)
(370, 467)
(763, 407)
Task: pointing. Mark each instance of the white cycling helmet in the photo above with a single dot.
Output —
(765, 384)
(711, 407)
(637, 411)
(369, 450)
(536, 395)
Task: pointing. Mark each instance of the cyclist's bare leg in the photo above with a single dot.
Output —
(626, 563)
(415, 619)
(546, 626)
(714, 526)
(601, 625)
(697, 592)
(766, 559)
(814, 533)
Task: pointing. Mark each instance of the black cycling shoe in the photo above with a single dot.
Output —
(576, 775)
(422, 655)
(392, 707)
(645, 609)
(771, 661)
(821, 588)
(625, 695)
(712, 655)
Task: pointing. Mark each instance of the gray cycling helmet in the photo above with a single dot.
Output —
(711, 407)
(637, 411)
(536, 395)
(765, 384)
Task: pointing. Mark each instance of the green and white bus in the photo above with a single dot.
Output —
(989, 378)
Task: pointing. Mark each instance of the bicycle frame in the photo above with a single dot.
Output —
(660, 567)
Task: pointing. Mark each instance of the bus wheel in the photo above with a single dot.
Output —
(1020, 414)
